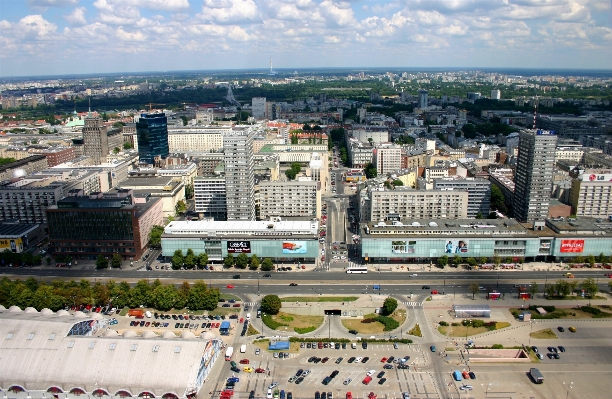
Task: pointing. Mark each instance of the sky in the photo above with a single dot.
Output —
(55, 37)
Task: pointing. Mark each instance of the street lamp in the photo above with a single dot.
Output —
(258, 284)
(568, 387)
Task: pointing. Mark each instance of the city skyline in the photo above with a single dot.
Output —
(55, 37)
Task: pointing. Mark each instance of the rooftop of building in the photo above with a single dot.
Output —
(8, 230)
(21, 162)
(580, 225)
(228, 228)
(145, 181)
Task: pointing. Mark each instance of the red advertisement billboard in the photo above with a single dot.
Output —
(572, 245)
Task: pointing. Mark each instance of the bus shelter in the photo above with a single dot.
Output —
(469, 311)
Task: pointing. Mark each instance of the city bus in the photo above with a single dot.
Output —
(357, 270)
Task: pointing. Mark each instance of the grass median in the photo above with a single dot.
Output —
(301, 324)
(319, 299)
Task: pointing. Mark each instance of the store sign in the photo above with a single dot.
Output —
(572, 245)
(597, 177)
(239, 247)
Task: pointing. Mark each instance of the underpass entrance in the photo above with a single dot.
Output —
(333, 312)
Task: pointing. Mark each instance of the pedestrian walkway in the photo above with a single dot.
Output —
(414, 304)
(252, 304)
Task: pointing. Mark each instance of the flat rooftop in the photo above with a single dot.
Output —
(242, 228)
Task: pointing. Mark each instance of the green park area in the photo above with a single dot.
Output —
(470, 327)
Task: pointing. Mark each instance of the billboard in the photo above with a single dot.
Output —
(403, 247)
(295, 247)
(456, 247)
(14, 245)
(572, 245)
(597, 177)
(239, 247)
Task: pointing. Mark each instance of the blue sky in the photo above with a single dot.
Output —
(47, 37)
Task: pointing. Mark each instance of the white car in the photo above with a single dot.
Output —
(371, 373)
(466, 387)
(336, 257)
(343, 257)
(273, 385)
(347, 381)
(358, 360)
(305, 373)
(413, 275)
(269, 395)
(257, 351)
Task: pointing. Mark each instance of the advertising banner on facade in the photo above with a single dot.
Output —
(572, 245)
(403, 247)
(295, 247)
(239, 247)
(456, 247)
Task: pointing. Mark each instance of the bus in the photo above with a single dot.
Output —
(538, 378)
(357, 270)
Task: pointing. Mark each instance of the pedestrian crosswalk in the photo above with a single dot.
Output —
(253, 304)
(413, 304)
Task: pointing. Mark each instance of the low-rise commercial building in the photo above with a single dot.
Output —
(19, 237)
(28, 165)
(281, 241)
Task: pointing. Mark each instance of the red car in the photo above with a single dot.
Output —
(147, 324)
(236, 305)
(241, 319)
(434, 292)
(349, 395)
(609, 275)
(230, 286)
(384, 359)
(260, 370)
(367, 380)
(244, 361)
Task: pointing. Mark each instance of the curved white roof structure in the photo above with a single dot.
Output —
(39, 351)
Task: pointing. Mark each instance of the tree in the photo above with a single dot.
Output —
(496, 260)
(533, 289)
(389, 306)
(590, 259)
(469, 131)
(183, 295)
(202, 260)
(254, 262)
(267, 265)
(242, 261)
(197, 295)
(443, 261)
(177, 259)
(549, 289)
(228, 261)
(498, 201)
(116, 150)
(155, 236)
(290, 173)
(141, 294)
(181, 207)
(101, 262)
(370, 171)
(127, 145)
(397, 183)
(116, 260)
(100, 293)
(188, 191)
(271, 304)
(589, 286)
(579, 259)
(473, 289)
(482, 260)
(164, 297)
(185, 120)
(601, 258)
(471, 261)
(456, 260)
(211, 300)
(190, 259)
(48, 260)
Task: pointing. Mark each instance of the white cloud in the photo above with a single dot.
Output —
(125, 36)
(51, 3)
(452, 30)
(115, 12)
(230, 11)
(165, 5)
(340, 14)
(35, 27)
(76, 17)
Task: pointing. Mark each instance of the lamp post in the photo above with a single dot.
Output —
(258, 284)
(530, 330)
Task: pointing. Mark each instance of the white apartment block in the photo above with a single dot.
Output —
(210, 196)
(239, 176)
(197, 139)
(591, 194)
(406, 203)
(186, 172)
(495, 94)
(377, 136)
(360, 155)
(571, 153)
(388, 159)
(258, 107)
(289, 199)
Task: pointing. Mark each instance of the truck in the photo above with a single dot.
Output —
(457, 375)
(538, 378)
(228, 353)
(135, 312)
(225, 328)
(242, 348)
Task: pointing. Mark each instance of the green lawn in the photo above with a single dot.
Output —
(319, 299)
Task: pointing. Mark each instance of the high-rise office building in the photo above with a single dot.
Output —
(152, 132)
(495, 94)
(239, 177)
(423, 98)
(534, 174)
(95, 139)
(258, 107)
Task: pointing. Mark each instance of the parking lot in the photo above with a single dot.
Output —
(349, 378)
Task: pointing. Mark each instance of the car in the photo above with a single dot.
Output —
(353, 332)
(326, 380)
(248, 369)
(259, 370)
(432, 348)
(534, 349)
(299, 380)
(236, 305)
(358, 359)
(405, 395)
(395, 345)
(351, 359)
(552, 349)
(561, 329)
(317, 395)
(267, 275)
(390, 359)
(226, 305)
(235, 369)
(572, 329)
(403, 366)
(305, 373)
(252, 395)
(292, 379)
(230, 286)
(293, 285)
(244, 361)
(325, 359)
(370, 373)
(556, 356)
(236, 276)
(334, 374)
(561, 348)
(347, 381)
(329, 395)
(384, 359)
(269, 394)
(425, 287)
(339, 360)
(365, 359)
(273, 385)
(289, 395)
(472, 375)
(380, 375)
(344, 345)
(233, 379)
(550, 355)
(382, 381)
(364, 345)
(323, 395)
(539, 356)
(465, 375)
(388, 366)
(466, 387)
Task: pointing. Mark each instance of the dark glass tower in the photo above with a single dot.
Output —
(152, 133)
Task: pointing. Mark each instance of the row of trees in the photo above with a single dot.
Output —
(457, 260)
(243, 261)
(27, 259)
(61, 293)
(560, 288)
(102, 262)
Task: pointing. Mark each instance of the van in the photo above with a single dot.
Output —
(248, 316)
(242, 348)
(258, 313)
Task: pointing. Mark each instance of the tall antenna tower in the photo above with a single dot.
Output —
(272, 71)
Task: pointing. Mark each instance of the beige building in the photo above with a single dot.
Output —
(29, 165)
(186, 172)
(387, 159)
(591, 194)
(406, 203)
(197, 139)
(171, 191)
(290, 199)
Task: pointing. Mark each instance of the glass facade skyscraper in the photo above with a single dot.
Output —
(152, 133)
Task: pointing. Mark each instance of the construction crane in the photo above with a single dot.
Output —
(150, 105)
